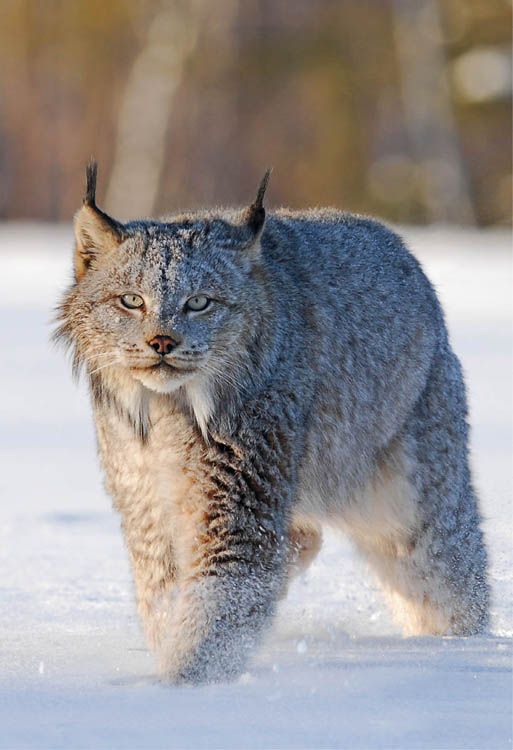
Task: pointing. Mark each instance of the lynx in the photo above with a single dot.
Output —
(254, 377)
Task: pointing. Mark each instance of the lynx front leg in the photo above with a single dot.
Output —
(154, 578)
(154, 572)
(304, 543)
(305, 540)
(233, 577)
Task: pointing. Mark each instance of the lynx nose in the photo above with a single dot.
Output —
(163, 344)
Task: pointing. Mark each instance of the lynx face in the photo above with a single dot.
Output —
(165, 313)
(164, 305)
(167, 305)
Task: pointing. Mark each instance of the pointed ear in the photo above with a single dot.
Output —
(254, 216)
(95, 232)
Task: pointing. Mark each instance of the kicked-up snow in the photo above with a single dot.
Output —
(334, 671)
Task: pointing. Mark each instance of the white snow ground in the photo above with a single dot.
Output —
(334, 672)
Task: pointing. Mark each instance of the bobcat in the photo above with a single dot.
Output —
(252, 378)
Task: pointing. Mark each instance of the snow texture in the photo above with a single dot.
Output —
(334, 671)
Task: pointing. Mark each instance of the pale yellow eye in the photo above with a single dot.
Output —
(198, 303)
(132, 301)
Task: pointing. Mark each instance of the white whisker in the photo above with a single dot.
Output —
(227, 377)
(102, 355)
(103, 367)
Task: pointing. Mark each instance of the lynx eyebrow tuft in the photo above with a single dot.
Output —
(91, 175)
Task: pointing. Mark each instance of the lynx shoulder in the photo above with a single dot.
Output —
(252, 377)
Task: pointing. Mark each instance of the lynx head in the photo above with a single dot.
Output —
(165, 306)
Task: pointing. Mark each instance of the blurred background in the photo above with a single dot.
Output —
(400, 108)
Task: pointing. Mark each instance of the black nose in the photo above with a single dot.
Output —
(163, 344)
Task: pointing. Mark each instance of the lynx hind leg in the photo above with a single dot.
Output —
(384, 521)
(417, 521)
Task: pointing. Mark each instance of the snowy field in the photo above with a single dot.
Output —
(334, 672)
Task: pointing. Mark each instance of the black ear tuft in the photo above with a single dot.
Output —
(91, 175)
(96, 232)
(263, 187)
(256, 212)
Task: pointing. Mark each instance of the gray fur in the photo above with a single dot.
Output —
(320, 388)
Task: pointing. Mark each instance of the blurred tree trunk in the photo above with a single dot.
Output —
(147, 103)
(427, 109)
